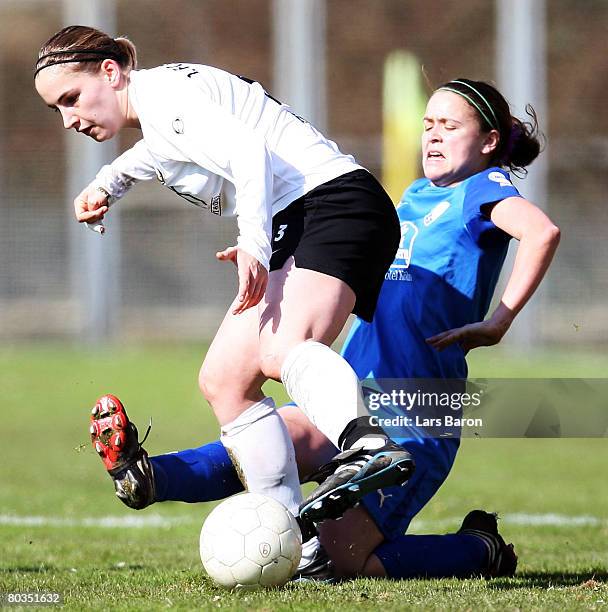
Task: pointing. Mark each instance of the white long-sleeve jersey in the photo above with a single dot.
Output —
(221, 142)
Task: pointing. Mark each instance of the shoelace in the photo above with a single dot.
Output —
(146, 434)
(356, 465)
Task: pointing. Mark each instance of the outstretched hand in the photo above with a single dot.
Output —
(473, 335)
(253, 277)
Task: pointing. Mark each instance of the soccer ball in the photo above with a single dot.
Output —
(250, 541)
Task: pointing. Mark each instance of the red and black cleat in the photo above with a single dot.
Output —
(109, 427)
(115, 440)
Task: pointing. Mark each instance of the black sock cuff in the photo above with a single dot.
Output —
(356, 429)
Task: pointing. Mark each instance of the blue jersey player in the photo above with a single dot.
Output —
(456, 224)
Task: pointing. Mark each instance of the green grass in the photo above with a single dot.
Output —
(48, 470)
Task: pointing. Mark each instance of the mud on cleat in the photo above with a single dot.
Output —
(115, 440)
(502, 560)
(351, 475)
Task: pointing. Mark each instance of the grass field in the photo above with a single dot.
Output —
(61, 529)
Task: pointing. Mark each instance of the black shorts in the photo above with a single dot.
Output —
(346, 228)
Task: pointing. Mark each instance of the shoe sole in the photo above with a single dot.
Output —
(333, 504)
(108, 429)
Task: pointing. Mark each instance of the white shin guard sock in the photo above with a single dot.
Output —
(324, 386)
(310, 548)
(262, 452)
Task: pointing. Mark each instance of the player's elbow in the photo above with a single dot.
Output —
(557, 234)
(551, 235)
(545, 236)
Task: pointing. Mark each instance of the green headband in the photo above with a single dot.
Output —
(492, 124)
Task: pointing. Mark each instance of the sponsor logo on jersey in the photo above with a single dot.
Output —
(500, 178)
(178, 125)
(398, 274)
(216, 201)
(216, 204)
(409, 231)
(436, 213)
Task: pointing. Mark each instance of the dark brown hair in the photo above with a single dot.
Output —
(520, 141)
(85, 48)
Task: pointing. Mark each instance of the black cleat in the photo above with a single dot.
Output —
(351, 475)
(115, 440)
(502, 557)
(309, 530)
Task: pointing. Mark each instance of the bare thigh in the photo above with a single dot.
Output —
(300, 305)
(250, 347)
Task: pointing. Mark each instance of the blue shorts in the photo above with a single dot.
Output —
(394, 507)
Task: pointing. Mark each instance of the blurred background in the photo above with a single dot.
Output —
(359, 69)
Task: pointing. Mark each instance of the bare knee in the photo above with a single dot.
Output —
(208, 384)
(218, 388)
(373, 568)
(229, 392)
(351, 564)
(351, 542)
(271, 360)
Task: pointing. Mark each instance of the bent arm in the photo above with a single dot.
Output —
(111, 183)
(538, 240)
(134, 165)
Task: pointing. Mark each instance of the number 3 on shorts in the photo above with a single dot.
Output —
(280, 232)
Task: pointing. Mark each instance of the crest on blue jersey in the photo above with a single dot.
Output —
(409, 232)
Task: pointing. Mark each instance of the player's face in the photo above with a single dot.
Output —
(87, 101)
(453, 145)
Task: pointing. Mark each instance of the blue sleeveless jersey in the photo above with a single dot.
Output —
(443, 276)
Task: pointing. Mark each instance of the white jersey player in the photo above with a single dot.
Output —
(316, 235)
(223, 144)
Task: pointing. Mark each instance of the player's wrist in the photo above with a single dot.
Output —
(110, 199)
(502, 318)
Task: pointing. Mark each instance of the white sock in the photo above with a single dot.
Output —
(262, 452)
(309, 551)
(324, 386)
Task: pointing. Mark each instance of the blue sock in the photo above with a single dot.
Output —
(458, 555)
(195, 475)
